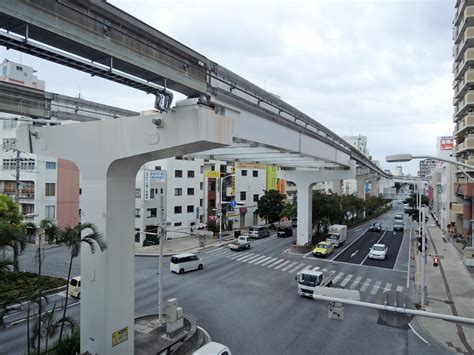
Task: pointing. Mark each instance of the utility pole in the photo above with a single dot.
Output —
(17, 177)
(162, 232)
(423, 257)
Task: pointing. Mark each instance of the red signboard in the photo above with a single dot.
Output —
(446, 143)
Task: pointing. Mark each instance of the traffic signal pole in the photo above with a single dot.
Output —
(423, 257)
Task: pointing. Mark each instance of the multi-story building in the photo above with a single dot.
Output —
(463, 117)
(426, 167)
(358, 142)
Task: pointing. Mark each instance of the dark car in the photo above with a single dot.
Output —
(284, 232)
(294, 222)
(151, 240)
(376, 227)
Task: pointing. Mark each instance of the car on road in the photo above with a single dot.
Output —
(74, 289)
(378, 251)
(376, 227)
(213, 348)
(259, 232)
(181, 263)
(243, 242)
(284, 232)
(323, 249)
(398, 226)
(294, 222)
(399, 216)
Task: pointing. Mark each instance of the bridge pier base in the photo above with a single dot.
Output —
(109, 154)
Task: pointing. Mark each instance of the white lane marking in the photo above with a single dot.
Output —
(388, 287)
(365, 285)
(286, 268)
(325, 270)
(246, 256)
(416, 333)
(358, 229)
(336, 279)
(214, 250)
(276, 262)
(355, 283)
(269, 261)
(296, 268)
(375, 288)
(400, 288)
(354, 253)
(262, 260)
(346, 280)
(355, 240)
(307, 267)
(316, 268)
(253, 257)
(282, 264)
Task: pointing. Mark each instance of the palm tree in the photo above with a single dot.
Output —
(12, 237)
(73, 237)
(5, 265)
(33, 296)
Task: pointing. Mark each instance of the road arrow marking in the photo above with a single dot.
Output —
(354, 253)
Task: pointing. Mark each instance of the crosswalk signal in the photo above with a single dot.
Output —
(420, 244)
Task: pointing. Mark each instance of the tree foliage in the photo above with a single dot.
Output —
(270, 205)
(412, 209)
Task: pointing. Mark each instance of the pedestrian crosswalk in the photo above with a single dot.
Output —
(341, 279)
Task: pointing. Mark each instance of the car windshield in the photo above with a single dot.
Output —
(378, 248)
(309, 280)
(174, 260)
(323, 246)
(333, 236)
(73, 282)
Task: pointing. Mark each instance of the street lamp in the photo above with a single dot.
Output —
(221, 197)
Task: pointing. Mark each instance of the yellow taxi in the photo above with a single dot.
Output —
(323, 249)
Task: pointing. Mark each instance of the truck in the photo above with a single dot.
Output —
(243, 242)
(337, 234)
(308, 280)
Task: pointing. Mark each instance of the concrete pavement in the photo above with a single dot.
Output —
(450, 290)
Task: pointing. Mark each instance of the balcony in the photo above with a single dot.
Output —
(464, 105)
(466, 42)
(460, 67)
(457, 208)
(467, 144)
(24, 195)
(465, 123)
(465, 20)
(463, 84)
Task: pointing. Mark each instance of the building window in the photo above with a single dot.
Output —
(243, 195)
(200, 202)
(50, 165)
(9, 143)
(178, 173)
(151, 212)
(157, 167)
(212, 185)
(152, 193)
(212, 203)
(201, 185)
(178, 191)
(201, 169)
(178, 224)
(50, 189)
(137, 213)
(255, 173)
(178, 210)
(161, 191)
(213, 167)
(223, 169)
(138, 193)
(190, 173)
(243, 172)
(190, 191)
(9, 124)
(190, 208)
(50, 212)
(255, 198)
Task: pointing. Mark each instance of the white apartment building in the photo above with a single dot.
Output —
(178, 184)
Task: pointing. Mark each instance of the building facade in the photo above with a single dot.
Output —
(426, 168)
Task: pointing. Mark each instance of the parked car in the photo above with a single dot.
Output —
(75, 287)
(294, 222)
(378, 251)
(376, 227)
(182, 263)
(398, 226)
(259, 232)
(284, 232)
(323, 249)
(151, 240)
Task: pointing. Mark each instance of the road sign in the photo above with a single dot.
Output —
(233, 204)
(212, 174)
(395, 299)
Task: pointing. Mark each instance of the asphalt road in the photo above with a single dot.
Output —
(248, 301)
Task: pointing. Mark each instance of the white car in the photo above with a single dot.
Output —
(378, 251)
(213, 348)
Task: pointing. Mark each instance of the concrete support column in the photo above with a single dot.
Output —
(109, 154)
(467, 217)
(304, 180)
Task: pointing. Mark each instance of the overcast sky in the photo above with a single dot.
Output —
(378, 68)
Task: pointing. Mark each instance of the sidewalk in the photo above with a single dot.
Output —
(181, 245)
(450, 290)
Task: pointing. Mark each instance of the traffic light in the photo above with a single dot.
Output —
(420, 244)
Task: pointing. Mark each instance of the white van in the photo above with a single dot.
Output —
(213, 348)
(181, 263)
(259, 232)
(75, 287)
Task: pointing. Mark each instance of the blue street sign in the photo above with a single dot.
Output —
(233, 204)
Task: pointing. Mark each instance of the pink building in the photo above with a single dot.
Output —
(67, 194)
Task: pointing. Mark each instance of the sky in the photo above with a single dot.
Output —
(381, 68)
